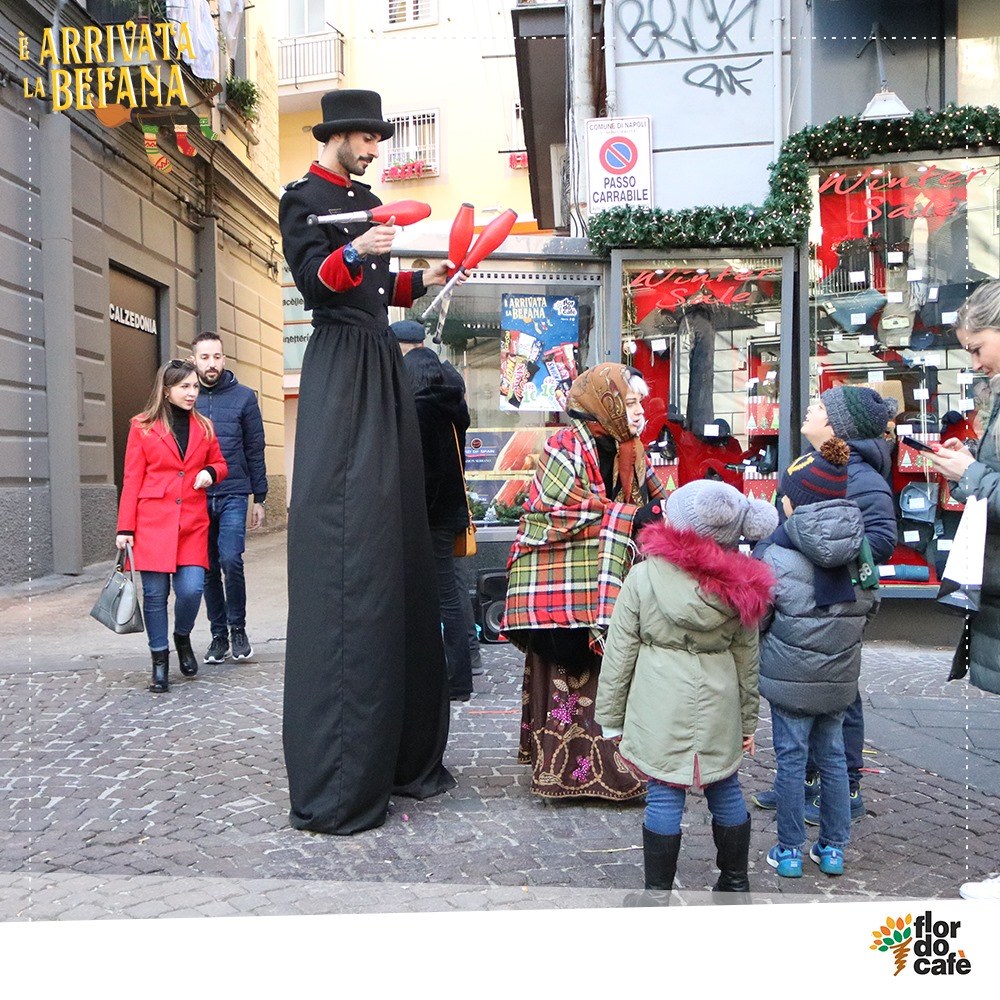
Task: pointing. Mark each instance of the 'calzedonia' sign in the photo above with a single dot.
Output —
(126, 317)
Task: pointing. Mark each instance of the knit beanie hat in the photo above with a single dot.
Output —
(856, 412)
(818, 475)
(721, 512)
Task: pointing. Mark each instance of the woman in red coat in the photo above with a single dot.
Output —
(172, 455)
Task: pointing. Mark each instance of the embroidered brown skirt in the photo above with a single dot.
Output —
(569, 757)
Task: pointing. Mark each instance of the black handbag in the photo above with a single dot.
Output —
(118, 606)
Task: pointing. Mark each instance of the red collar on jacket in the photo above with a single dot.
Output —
(744, 583)
(329, 175)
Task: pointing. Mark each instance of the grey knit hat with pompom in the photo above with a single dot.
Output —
(721, 512)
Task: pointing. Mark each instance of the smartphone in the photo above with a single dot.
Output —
(918, 445)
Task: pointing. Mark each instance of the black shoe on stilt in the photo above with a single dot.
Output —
(161, 667)
(185, 655)
(732, 845)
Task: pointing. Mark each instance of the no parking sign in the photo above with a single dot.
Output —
(619, 163)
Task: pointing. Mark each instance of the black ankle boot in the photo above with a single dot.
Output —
(733, 848)
(161, 667)
(185, 654)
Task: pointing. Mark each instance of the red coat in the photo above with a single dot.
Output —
(159, 503)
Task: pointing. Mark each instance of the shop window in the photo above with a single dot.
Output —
(706, 335)
(413, 148)
(406, 13)
(518, 336)
(895, 249)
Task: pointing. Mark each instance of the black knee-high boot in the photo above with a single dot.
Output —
(732, 852)
(659, 858)
(161, 668)
(659, 855)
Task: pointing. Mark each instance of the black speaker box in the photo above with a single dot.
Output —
(491, 596)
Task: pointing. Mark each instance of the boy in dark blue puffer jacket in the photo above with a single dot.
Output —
(810, 651)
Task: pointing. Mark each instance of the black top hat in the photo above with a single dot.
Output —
(351, 111)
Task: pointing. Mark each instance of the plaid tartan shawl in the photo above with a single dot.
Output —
(574, 546)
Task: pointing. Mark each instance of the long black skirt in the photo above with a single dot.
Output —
(366, 694)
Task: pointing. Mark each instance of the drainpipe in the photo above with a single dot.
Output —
(779, 104)
(610, 83)
(581, 108)
(62, 403)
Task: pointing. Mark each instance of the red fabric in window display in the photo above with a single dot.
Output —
(848, 203)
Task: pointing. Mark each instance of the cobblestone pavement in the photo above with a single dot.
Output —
(118, 803)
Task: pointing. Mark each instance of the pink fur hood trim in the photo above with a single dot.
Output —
(742, 582)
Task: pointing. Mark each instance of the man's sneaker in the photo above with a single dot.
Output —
(830, 859)
(811, 815)
(788, 861)
(769, 799)
(241, 644)
(989, 888)
(219, 649)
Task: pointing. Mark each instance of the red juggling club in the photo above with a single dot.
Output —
(461, 236)
(489, 239)
(405, 212)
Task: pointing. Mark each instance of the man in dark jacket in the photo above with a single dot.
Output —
(234, 412)
(443, 417)
(411, 336)
(859, 416)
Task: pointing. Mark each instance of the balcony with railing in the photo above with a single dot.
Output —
(308, 59)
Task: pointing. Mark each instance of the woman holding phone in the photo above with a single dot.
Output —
(171, 456)
(976, 473)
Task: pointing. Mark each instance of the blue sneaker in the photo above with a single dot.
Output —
(765, 800)
(769, 799)
(811, 814)
(830, 859)
(788, 861)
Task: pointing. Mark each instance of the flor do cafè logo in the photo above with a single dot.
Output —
(930, 941)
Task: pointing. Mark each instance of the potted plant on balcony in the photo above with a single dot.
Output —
(243, 97)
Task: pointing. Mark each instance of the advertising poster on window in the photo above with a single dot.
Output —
(500, 462)
(538, 347)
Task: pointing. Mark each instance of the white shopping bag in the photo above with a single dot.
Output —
(962, 579)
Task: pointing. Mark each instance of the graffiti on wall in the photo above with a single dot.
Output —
(659, 29)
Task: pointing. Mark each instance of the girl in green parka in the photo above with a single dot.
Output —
(679, 679)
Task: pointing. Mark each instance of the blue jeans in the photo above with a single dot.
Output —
(665, 804)
(794, 736)
(452, 597)
(854, 740)
(227, 536)
(188, 581)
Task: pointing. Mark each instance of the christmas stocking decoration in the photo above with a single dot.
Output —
(183, 142)
(153, 152)
(205, 124)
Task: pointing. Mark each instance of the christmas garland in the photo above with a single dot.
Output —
(783, 219)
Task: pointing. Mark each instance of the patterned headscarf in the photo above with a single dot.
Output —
(598, 397)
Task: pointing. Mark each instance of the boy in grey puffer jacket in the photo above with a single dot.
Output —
(810, 651)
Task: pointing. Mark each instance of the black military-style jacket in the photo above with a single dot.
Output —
(307, 249)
